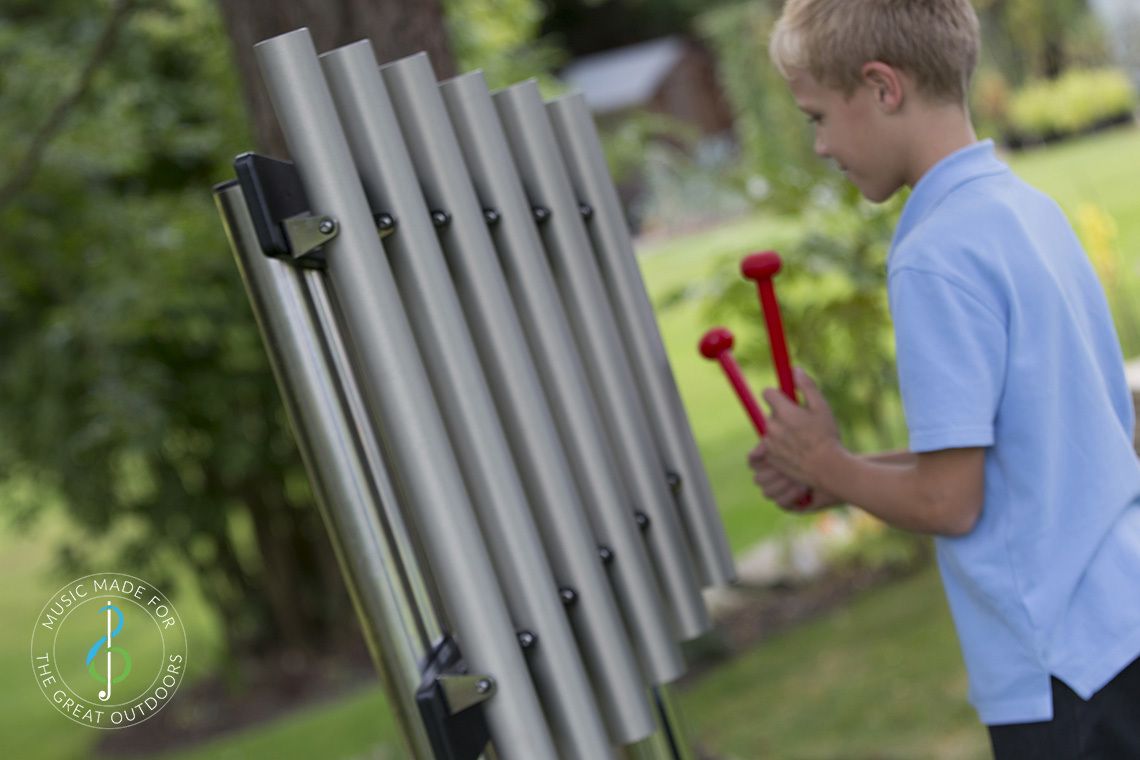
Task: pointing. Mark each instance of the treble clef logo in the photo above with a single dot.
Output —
(105, 694)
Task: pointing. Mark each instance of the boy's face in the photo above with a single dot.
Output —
(851, 130)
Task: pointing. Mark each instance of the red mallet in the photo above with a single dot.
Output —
(717, 344)
(761, 268)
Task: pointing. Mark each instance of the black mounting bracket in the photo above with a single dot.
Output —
(285, 226)
(450, 703)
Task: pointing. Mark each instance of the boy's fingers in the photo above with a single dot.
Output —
(756, 456)
(777, 400)
(810, 390)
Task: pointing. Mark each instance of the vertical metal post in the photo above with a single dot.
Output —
(544, 176)
(590, 177)
(374, 112)
(551, 341)
(356, 501)
(397, 391)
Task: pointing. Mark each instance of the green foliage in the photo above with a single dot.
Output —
(778, 164)
(502, 38)
(626, 140)
(1077, 101)
(134, 381)
(1027, 39)
(990, 102)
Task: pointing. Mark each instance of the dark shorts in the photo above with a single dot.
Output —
(1105, 727)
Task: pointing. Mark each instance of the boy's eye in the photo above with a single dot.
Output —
(814, 119)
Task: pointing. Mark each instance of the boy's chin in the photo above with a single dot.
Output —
(877, 193)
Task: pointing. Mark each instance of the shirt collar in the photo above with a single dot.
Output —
(961, 166)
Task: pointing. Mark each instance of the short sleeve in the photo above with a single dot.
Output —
(951, 355)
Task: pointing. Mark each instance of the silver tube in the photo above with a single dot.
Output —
(409, 552)
(590, 177)
(671, 741)
(551, 342)
(671, 718)
(373, 112)
(398, 393)
(544, 177)
(506, 360)
(398, 628)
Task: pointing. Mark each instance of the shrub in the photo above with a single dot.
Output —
(1079, 101)
(990, 102)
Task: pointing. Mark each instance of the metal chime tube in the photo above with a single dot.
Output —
(501, 345)
(545, 179)
(372, 124)
(590, 177)
(397, 391)
(357, 504)
(551, 341)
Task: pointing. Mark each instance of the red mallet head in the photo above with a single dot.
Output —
(716, 342)
(760, 266)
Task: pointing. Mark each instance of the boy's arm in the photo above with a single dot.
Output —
(891, 457)
(937, 492)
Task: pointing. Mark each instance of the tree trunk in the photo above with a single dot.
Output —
(397, 28)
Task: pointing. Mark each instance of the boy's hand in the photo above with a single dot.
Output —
(781, 489)
(801, 440)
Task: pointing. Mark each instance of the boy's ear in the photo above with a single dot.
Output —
(887, 83)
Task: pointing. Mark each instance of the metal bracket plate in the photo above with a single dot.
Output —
(450, 702)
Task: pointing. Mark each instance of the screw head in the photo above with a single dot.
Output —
(606, 553)
(569, 595)
(326, 226)
(527, 639)
(642, 520)
(483, 685)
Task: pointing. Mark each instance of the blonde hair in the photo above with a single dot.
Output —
(934, 41)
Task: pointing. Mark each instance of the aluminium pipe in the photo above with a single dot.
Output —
(432, 152)
(547, 184)
(374, 110)
(420, 582)
(356, 502)
(398, 394)
(590, 177)
(551, 340)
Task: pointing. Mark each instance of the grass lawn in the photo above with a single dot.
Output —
(881, 678)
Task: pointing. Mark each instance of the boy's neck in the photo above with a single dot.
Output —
(939, 131)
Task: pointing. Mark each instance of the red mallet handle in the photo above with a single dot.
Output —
(762, 267)
(717, 344)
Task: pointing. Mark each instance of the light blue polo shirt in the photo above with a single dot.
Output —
(1005, 341)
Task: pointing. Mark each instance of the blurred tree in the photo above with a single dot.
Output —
(1027, 39)
(779, 167)
(133, 382)
(503, 38)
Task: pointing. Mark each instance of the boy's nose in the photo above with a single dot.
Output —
(821, 149)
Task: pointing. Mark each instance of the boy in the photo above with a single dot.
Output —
(1020, 421)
